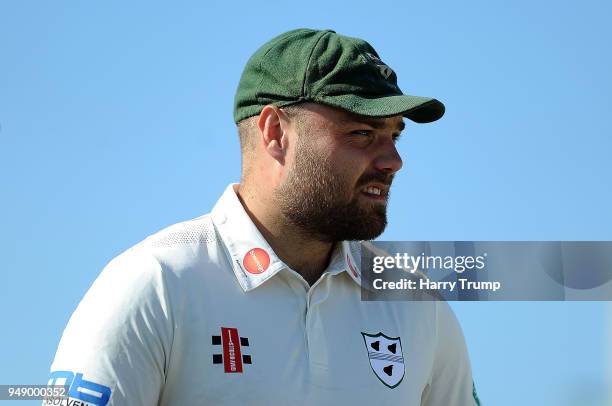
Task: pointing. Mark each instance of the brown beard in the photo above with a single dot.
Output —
(313, 199)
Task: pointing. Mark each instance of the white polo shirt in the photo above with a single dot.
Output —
(204, 313)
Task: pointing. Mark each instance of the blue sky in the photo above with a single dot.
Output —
(116, 121)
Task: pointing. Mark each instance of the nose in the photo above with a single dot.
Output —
(388, 160)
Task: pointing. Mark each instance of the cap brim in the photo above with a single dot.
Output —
(416, 108)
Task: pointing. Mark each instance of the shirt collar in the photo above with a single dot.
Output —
(253, 260)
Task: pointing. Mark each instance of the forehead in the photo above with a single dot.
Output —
(335, 117)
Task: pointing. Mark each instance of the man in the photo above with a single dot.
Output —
(258, 302)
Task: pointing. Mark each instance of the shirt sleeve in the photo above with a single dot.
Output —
(451, 381)
(115, 348)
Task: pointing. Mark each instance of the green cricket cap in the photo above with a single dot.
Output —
(321, 66)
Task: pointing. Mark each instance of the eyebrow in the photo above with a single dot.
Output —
(372, 122)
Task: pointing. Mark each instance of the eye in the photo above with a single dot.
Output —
(366, 133)
(361, 138)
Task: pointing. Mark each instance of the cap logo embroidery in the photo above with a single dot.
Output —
(256, 261)
(383, 68)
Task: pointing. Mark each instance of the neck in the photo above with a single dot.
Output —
(305, 255)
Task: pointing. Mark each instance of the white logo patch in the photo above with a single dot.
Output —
(386, 357)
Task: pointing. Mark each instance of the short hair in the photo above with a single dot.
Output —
(247, 133)
(247, 129)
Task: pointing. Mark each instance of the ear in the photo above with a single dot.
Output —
(273, 130)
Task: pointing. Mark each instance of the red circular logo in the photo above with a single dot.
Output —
(256, 261)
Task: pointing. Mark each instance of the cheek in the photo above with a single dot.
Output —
(352, 163)
(348, 170)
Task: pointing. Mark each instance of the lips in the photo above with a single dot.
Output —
(376, 191)
(373, 190)
(375, 186)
